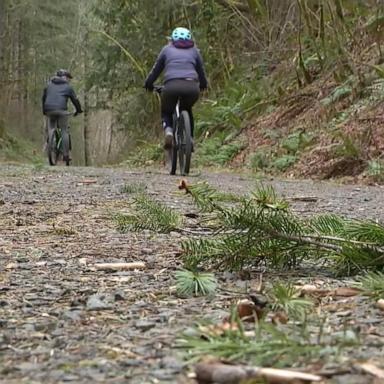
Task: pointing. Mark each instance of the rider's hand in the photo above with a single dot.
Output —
(77, 113)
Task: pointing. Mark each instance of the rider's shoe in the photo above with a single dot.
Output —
(168, 137)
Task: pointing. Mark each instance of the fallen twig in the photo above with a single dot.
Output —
(233, 374)
(120, 266)
(372, 369)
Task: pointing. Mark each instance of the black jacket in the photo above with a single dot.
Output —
(56, 95)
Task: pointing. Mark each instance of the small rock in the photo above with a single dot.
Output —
(131, 363)
(163, 374)
(144, 325)
(172, 363)
(351, 379)
(98, 303)
(3, 323)
(119, 296)
(72, 315)
(348, 336)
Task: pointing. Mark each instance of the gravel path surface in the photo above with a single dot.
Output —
(63, 321)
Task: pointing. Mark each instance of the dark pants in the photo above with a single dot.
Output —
(187, 91)
(59, 119)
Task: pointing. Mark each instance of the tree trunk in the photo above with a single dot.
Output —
(86, 105)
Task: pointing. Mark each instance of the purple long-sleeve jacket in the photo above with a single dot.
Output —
(178, 63)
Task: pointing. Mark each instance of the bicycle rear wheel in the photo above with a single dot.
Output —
(174, 149)
(184, 143)
(53, 152)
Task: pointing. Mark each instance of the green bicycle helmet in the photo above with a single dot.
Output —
(181, 33)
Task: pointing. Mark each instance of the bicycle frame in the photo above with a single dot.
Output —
(181, 148)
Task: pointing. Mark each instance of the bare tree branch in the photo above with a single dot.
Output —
(233, 4)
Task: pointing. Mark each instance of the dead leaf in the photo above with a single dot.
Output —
(248, 310)
(280, 318)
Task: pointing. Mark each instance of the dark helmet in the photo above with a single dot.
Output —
(63, 72)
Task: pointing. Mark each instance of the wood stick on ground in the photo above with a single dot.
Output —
(120, 266)
(372, 369)
(232, 374)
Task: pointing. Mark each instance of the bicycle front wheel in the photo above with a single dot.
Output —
(184, 143)
(53, 151)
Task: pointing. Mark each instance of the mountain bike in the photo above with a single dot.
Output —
(182, 139)
(55, 145)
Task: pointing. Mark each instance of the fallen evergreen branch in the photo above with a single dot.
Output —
(261, 229)
(266, 346)
(149, 214)
(372, 284)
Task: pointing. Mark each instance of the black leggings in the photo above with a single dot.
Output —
(187, 91)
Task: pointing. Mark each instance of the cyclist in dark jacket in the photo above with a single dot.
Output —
(54, 100)
(184, 77)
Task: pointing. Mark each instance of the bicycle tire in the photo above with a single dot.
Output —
(53, 152)
(174, 147)
(185, 143)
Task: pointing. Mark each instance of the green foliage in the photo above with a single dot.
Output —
(18, 149)
(208, 198)
(269, 346)
(2, 129)
(266, 197)
(133, 188)
(337, 94)
(189, 283)
(260, 229)
(375, 169)
(328, 225)
(145, 154)
(229, 108)
(283, 163)
(367, 231)
(149, 214)
(349, 148)
(373, 284)
(260, 159)
(213, 151)
(287, 298)
(296, 141)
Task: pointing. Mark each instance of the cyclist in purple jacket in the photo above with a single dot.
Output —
(184, 77)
